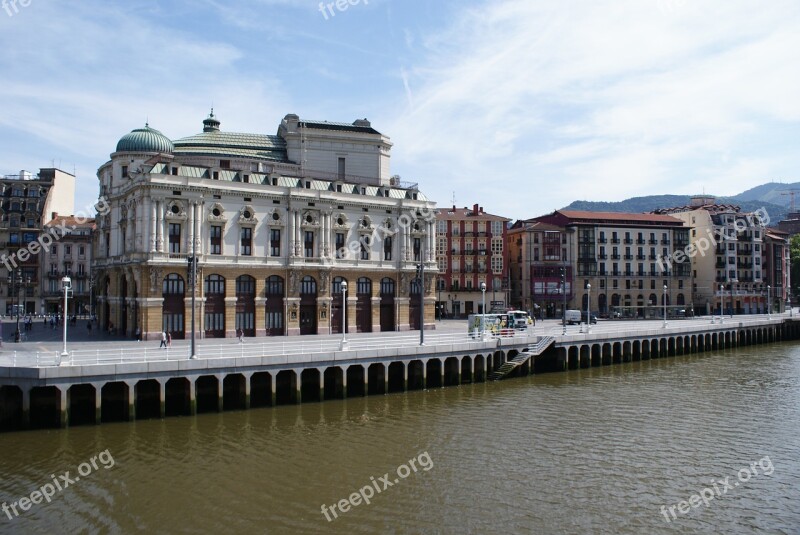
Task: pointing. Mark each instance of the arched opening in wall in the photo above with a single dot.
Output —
(434, 373)
(334, 383)
(416, 375)
(176, 397)
(148, 399)
(640, 305)
(364, 305)
(246, 304)
(615, 301)
(387, 304)
(260, 390)
(45, 407)
(82, 401)
(10, 408)
(376, 379)
(415, 291)
(214, 318)
(286, 387)
(274, 292)
(480, 368)
(174, 306)
(355, 381)
(234, 392)
(114, 402)
(602, 303)
(308, 305)
(309, 385)
(680, 300)
(396, 377)
(466, 370)
(207, 393)
(337, 307)
(452, 371)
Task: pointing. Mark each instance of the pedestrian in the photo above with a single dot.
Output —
(163, 340)
(240, 334)
(138, 334)
(169, 339)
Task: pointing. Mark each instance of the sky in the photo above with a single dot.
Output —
(522, 106)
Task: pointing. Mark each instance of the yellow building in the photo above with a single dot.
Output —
(277, 224)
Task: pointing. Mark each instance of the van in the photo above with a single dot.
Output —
(518, 319)
(573, 316)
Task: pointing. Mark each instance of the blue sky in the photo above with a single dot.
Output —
(520, 105)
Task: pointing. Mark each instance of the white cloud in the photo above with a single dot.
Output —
(601, 100)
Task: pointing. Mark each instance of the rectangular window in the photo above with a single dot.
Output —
(341, 252)
(224, 164)
(387, 248)
(309, 244)
(341, 168)
(365, 248)
(247, 241)
(174, 237)
(417, 249)
(275, 242)
(216, 239)
(81, 250)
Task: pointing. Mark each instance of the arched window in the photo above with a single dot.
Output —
(308, 286)
(274, 286)
(364, 286)
(173, 284)
(215, 284)
(336, 287)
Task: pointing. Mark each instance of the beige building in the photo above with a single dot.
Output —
(727, 248)
(277, 223)
(70, 256)
(28, 203)
(609, 258)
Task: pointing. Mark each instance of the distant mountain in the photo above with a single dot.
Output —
(767, 196)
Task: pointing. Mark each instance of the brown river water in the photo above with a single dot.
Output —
(715, 437)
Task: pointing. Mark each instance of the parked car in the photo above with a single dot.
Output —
(592, 316)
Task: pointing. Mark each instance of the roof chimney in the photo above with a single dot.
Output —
(475, 209)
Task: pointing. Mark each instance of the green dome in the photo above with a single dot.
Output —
(145, 140)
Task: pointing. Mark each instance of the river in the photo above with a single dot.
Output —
(602, 450)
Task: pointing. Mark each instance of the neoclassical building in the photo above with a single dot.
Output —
(277, 223)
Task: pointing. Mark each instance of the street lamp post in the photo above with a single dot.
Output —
(665, 306)
(91, 296)
(721, 304)
(483, 313)
(66, 284)
(193, 285)
(343, 344)
(16, 283)
(588, 308)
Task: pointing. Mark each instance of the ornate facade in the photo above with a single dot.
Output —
(276, 222)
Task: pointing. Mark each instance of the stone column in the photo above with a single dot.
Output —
(260, 315)
(192, 396)
(153, 239)
(273, 390)
(376, 312)
(220, 398)
(298, 373)
(247, 378)
(161, 225)
(402, 316)
(292, 316)
(290, 233)
(162, 401)
(352, 324)
(64, 416)
(131, 400)
(190, 231)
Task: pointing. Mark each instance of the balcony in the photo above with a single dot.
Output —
(615, 240)
(664, 242)
(628, 241)
(640, 241)
(628, 257)
(602, 240)
(602, 256)
(629, 273)
(640, 257)
(653, 242)
(614, 257)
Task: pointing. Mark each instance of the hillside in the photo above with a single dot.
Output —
(767, 196)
